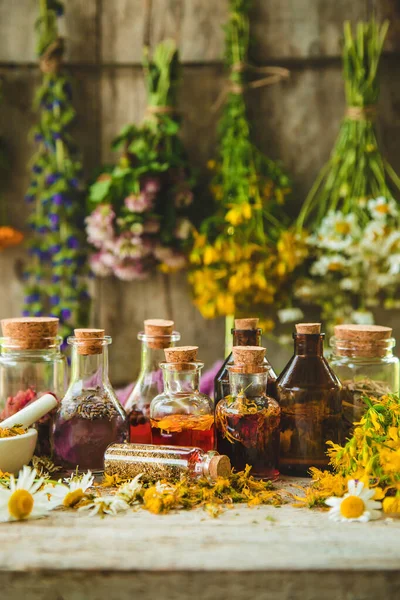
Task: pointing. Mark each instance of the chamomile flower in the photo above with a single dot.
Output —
(356, 505)
(381, 207)
(105, 505)
(329, 264)
(23, 500)
(290, 315)
(70, 493)
(362, 317)
(337, 232)
(130, 490)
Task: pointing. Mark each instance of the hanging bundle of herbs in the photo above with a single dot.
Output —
(140, 207)
(56, 274)
(242, 254)
(355, 247)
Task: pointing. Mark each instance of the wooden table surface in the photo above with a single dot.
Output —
(282, 553)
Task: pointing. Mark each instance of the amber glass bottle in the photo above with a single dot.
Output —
(247, 420)
(310, 397)
(246, 333)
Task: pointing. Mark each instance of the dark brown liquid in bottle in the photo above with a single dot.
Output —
(241, 337)
(310, 397)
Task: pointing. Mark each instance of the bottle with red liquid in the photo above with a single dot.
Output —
(245, 333)
(158, 334)
(89, 417)
(247, 421)
(31, 364)
(310, 397)
(181, 415)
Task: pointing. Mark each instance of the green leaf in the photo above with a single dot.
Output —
(99, 190)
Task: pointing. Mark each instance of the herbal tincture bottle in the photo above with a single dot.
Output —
(158, 334)
(248, 421)
(245, 333)
(164, 462)
(181, 415)
(89, 417)
(309, 393)
(362, 357)
(31, 364)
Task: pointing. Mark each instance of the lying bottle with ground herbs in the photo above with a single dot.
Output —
(89, 417)
(164, 462)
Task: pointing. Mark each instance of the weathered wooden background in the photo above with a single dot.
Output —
(296, 121)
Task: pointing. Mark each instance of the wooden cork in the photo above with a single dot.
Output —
(28, 333)
(220, 466)
(249, 359)
(362, 340)
(181, 354)
(251, 323)
(90, 341)
(158, 332)
(309, 328)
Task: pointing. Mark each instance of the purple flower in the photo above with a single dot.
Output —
(55, 300)
(73, 242)
(74, 182)
(55, 278)
(57, 199)
(65, 314)
(207, 381)
(26, 313)
(37, 169)
(42, 229)
(55, 248)
(57, 135)
(38, 137)
(32, 298)
(54, 221)
(29, 198)
(52, 178)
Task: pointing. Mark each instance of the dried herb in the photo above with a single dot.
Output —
(177, 423)
(91, 405)
(12, 431)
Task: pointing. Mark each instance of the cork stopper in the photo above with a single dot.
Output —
(310, 328)
(28, 333)
(159, 332)
(220, 466)
(90, 341)
(362, 340)
(181, 354)
(251, 323)
(248, 359)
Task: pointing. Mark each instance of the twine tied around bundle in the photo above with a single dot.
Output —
(361, 113)
(51, 59)
(272, 75)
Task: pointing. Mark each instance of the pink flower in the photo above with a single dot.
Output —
(151, 186)
(130, 271)
(183, 229)
(128, 246)
(98, 264)
(139, 203)
(99, 225)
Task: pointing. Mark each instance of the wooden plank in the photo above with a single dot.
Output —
(123, 24)
(17, 31)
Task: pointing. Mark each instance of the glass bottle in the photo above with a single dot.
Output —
(164, 462)
(248, 421)
(31, 364)
(245, 333)
(310, 397)
(181, 415)
(89, 417)
(158, 334)
(362, 357)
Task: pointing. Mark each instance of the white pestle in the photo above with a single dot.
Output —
(31, 413)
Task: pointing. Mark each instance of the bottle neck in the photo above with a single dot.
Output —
(151, 358)
(90, 369)
(308, 344)
(246, 337)
(179, 381)
(253, 385)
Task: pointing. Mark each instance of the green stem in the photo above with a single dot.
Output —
(229, 322)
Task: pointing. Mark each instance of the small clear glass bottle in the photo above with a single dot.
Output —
(245, 333)
(309, 394)
(164, 462)
(181, 415)
(158, 334)
(89, 417)
(31, 364)
(248, 421)
(362, 357)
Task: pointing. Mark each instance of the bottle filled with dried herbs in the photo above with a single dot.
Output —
(89, 417)
(158, 334)
(126, 461)
(247, 421)
(309, 393)
(31, 364)
(362, 357)
(181, 415)
(245, 333)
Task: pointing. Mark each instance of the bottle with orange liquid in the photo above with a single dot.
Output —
(181, 415)
(158, 334)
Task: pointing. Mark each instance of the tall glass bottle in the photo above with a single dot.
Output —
(158, 334)
(31, 364)
(89, 417)
(181, 415)
(247, 420)
(310, 397)
(245, 333)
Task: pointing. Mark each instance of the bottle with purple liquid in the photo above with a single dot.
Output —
(89, 417)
